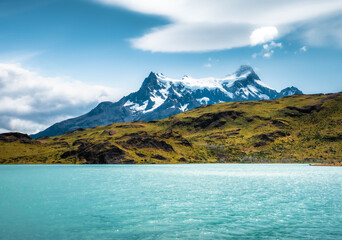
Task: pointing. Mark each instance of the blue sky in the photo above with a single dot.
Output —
(110, 46)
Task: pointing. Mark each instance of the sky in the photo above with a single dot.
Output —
(60, 58)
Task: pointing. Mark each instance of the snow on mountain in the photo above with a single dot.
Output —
(160, 97)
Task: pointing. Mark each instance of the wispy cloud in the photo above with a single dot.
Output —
(303, 49)
(29, 102)
(209, 63)
(194, 37)
(19, 56)
(206, 25)
(268, 49)
(323, 32)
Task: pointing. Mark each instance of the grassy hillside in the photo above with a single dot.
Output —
(301, 128)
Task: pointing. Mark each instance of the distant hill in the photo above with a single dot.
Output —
(160, 97)
(295, 129)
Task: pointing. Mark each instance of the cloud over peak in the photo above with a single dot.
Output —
(207, 25)
(263, 35)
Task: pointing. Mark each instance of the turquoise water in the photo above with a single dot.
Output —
(202, 201)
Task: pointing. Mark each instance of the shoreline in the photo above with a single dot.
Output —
(339, 164)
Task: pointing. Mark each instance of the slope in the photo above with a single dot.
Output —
(160, 97)
(296, 129)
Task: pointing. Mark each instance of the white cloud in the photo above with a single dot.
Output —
(194, 37)
(268, 54)
(25, 126)
(2, 130)
(303, 49)
(207, 25)
(263, 35)
(268, 49)
(272, 45)
(29, 102)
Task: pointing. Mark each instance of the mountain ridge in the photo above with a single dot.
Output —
(293, 129)
(161, 97)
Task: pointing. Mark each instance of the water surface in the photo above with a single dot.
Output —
(202, 201)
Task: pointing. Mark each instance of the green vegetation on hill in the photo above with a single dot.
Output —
(295, 129)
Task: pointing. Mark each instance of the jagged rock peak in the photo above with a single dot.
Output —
(289, 91)
(152, 74)
(246, 70)
(160, 97)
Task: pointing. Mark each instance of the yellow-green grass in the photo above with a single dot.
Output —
(296, 129)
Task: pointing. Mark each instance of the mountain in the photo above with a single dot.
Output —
(160, 97)
(296, 129)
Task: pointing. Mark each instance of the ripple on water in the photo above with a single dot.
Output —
(205, 201)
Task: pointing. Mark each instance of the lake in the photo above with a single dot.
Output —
(193, 201)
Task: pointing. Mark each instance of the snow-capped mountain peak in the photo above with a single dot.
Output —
(171, 94)
(245, 70)
(160, 96)
(244, 84)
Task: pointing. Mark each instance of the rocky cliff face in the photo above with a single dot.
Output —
(160, 97)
